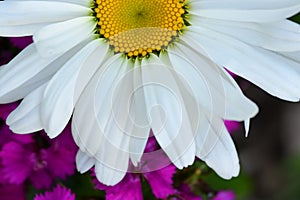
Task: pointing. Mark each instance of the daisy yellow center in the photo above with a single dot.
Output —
(139, 27)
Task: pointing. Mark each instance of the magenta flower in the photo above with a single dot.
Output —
(224, 195)
(61, 155)
(39, 161)
(6, 109)
(130, 187)
(232, 125)
(20, 42)
(58, 193)
(184, 192)
(12, 192)
(7, 136)
(16, 162)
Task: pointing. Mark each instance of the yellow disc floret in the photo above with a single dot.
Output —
(139, 27)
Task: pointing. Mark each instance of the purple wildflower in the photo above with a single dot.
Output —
(7, 136)
(16, 164)
(129, 188)
(20, 42)
(12, 192)
(58, 193)
(232, 125)
(161, 181)
(6, 109)
(61, 154)
(40, 164)
(224, 195)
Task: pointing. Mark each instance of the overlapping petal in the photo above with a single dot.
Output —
(94, 128)
(215, 90)
(26, 117)
(22, 18)
(27, 64)
(33, 71)
(66, 85)
(245, 11)
(49, 38)
(167, 111)
(263, 68)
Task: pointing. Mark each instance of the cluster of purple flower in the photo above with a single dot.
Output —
(58, 193)
(33, 159)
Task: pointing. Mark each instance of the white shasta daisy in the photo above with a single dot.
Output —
(123, 67)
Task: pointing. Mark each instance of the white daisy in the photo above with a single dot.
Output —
(123, 67)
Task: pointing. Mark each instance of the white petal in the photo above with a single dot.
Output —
(85, 126)
(29, 124)
(138, 128)
(20, 30)
(58, 38)
(120, 108)
(295, 56)
(168, 115)
(84, 162)
(32, 71)
(246, 11)
(26, 17)
(214, 89)
(20, 70)
(247, 127)
(272, 72)
(67, 84)
(138, 142)
(93, 126)
(22, 91)
(85, 3)
(215, 147)
(277, 36)
(107, 174)
(26, 117)
(31, 12)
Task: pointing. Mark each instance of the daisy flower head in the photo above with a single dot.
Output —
(121, 68)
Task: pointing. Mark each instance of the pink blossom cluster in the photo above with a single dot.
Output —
(32, 159)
